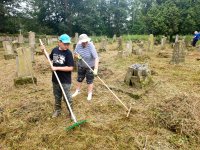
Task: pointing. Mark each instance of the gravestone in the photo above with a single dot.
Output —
(76, 38)
(129, 48)
(163, 42)
(54, 39)
(32, 46)
(1, 51)
(178, 55)
(177, 38)
(103, 45)
(151, 42)
(114, 38)
(138, 51)
(9, 53)
(20, 39)
(75, 60)
(120, 44)
(15, 45)
(24, 67)
(31, 39)
(121, 52)
(138, 75)
(138, 48)
(74, 47)
(49, 40)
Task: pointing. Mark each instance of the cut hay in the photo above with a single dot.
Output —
(179, 114)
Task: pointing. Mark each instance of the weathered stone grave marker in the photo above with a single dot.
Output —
(114, 38)
(103, 45)
(129, 48)
(24, 67)
(32, 46)
(163, 42)
(138, 75)
(138, 48)
(9, 53)
(151, 42)
(76, 38)
(178, 55)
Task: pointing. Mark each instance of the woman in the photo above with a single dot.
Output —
(86, 50)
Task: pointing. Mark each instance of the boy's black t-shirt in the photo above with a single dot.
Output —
(62, 58)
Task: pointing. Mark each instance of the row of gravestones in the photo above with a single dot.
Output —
(11, 46)
(178, 55)
(130, 48)
(24, 58)
(136, 48)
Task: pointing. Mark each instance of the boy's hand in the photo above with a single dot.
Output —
(79, 57)
(42, 48)
(53, 68)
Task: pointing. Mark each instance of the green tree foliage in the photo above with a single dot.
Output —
(101, 17)
(163, 19)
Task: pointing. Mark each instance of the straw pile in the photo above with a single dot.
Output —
(179, 114)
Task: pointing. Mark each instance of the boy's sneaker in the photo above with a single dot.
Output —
(89, 97)
(56, 113)
(76, 93)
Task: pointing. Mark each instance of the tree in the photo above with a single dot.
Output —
(163, 19)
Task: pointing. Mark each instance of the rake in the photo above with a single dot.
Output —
(76, 123)
(127, 109)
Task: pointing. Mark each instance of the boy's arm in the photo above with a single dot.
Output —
(66, 68)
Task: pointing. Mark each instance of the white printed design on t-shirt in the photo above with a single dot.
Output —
(58, 59)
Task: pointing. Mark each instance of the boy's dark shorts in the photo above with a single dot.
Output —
(85, 72)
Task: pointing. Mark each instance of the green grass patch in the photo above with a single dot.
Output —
(135, 37)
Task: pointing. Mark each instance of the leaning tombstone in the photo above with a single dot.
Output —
(151, 42)
(138, 75)
(178, 55)
(8, 53)
(24, 67)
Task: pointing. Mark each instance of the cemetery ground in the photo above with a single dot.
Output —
(165, 114)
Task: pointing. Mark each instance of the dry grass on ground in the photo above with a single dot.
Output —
(164, 114)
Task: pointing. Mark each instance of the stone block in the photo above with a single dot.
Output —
(24, 80)
(9, 56)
